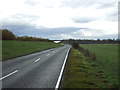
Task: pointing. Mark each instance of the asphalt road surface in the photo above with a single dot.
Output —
(37, 70)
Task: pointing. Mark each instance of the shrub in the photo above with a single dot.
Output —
(75, 45)
(93, 57)
(87, 53)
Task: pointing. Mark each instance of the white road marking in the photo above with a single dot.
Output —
(37, 60)
(46, 51)
(61, 73)
(9, 75)
(48, 54)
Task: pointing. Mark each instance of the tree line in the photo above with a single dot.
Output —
(8, 35)
(86, 41)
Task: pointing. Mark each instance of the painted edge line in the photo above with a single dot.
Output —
(9, 75)
(61, 72)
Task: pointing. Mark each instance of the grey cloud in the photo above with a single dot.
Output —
(18, 28)
(112, 36)
(21, 29)
(83, 19)
(106, 5)
(62, 30)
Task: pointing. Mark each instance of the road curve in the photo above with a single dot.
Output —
(37, 70)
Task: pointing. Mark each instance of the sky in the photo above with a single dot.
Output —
(61, 19)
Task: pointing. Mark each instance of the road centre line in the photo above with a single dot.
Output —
(9, 75)
(46, 51)
(48, 54)
(37, 60)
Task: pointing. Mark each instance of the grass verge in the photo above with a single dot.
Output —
(11, 49)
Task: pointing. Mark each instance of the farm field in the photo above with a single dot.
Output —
(11, 49)
(107, 60)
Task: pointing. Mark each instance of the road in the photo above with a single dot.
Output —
(37, 70)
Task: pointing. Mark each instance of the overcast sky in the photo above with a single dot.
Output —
(61, 19)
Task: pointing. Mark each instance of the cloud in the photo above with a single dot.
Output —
(32, 2)
(107, 5)
(83, 19)
(88, 3)
(78, 3)
(24, 18)
(60, 18)
(85, 34)
(113, 15)
(27, 29)
(19, 28)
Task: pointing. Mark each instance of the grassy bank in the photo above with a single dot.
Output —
(107, 60)
(81, 72)
(11, 49)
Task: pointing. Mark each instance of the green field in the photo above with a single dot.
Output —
(82, 72)
(11, 49)
(107, 60)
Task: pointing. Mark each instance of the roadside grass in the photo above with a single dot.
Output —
(11, 49)
(107, 60)
(80, 72)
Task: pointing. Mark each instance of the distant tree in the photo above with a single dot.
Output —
(27, 38)
(7, 35)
